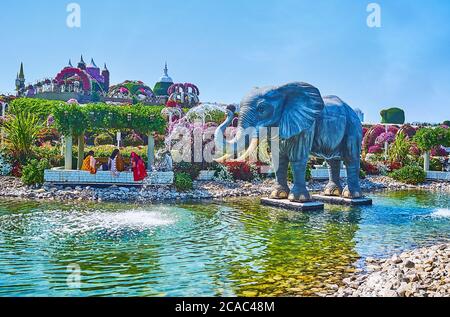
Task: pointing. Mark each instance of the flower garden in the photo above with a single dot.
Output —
(36, 133)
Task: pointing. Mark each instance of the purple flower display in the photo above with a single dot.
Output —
(375, 149)
(438, 151)
(388, 137)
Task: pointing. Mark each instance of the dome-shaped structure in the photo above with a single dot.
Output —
(131, 89)
(163, 84)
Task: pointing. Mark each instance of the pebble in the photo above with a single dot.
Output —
(417, 273)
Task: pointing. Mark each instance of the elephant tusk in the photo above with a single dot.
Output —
(223, 159)
(251, 149)
(264, 155)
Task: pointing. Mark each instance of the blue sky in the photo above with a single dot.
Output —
(227, 47)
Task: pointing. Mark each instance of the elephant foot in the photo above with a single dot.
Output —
(332, 190)
(280, 193)
(299, 196)
(351, 195)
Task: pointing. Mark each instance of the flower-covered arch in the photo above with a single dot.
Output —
(187, 94)
(71, 72)
(130, 89)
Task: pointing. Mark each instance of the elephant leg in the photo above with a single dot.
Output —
(281, 191)
(353, 189)
(334, 187)
(299, 193)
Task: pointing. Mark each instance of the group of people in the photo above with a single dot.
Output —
(116, 164)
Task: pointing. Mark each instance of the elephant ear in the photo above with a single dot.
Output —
(303, 104)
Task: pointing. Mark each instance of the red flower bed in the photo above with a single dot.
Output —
(370, 169)
(243, 170)
(240, 170)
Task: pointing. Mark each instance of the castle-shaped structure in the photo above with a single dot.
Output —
(88, 83)
(85, 83)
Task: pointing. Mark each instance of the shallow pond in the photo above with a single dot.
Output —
(204, 249)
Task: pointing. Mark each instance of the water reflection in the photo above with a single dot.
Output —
(204, 249)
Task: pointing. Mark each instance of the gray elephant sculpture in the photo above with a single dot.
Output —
(308, 124)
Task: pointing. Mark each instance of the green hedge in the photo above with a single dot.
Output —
(183, 182)
(95, 117)
(43, 108)
(409, 175)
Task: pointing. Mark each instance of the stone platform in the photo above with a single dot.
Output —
(286, 204)
(332, 200)
(60, 176)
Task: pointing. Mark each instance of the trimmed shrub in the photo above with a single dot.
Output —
(183, 182)
(410, 175)
(104, 139)
(33, 172)
(393, 116)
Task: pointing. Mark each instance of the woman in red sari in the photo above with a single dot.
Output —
(138, 166)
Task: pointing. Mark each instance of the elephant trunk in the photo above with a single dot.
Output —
(236, 145)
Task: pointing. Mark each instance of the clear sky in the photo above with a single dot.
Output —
(227, 47)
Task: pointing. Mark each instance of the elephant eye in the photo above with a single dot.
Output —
(261, 108)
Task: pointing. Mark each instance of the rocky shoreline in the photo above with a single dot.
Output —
(422, 272)
(11, 187)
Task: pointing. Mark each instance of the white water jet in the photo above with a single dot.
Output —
(441, 213)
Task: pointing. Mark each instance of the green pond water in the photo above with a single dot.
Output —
(207, 248)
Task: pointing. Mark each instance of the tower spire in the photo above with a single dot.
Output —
(166, 70)
(82, 64)
(93, 63)
(21, 73)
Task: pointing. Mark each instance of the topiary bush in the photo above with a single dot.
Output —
(33, 172)
(393, 116)
(104, 139)
(183, 182)
(410, 175)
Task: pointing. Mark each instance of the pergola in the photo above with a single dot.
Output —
(74, 120)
